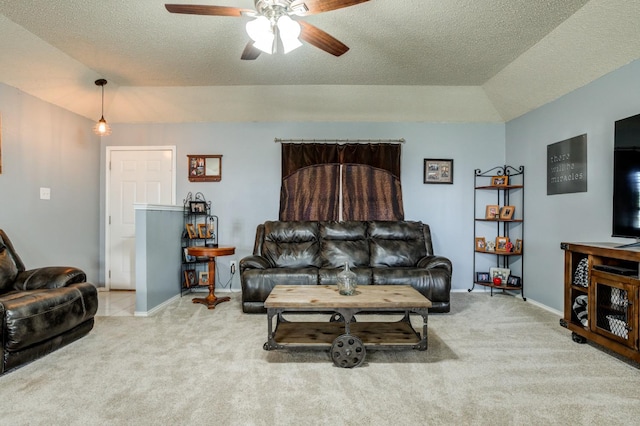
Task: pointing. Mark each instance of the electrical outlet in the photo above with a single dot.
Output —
(233, 265)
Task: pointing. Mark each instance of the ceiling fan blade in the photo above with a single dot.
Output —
(322, 40)
(250, 52)
(194, 9)
(318, 6)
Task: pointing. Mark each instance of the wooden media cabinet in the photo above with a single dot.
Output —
(601, 293)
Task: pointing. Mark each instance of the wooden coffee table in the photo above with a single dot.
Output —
(345, 338)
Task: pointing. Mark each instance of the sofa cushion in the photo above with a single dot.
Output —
(258, 283)
(8, 269)
(330, 276)
(34, 316)
(396, 244)
(343, 242)
(292, 244)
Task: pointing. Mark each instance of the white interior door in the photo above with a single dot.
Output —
(135, 175)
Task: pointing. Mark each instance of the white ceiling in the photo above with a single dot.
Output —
(410, 60)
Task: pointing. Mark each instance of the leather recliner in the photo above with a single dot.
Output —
(41, 309)
(313, 253)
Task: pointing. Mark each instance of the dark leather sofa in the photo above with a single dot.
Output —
(313, 253)
(41, 309)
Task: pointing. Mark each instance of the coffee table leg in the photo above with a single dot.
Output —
(211, 300)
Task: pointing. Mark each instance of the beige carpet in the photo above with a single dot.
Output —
(493, 360)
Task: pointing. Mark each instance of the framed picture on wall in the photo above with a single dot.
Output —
(438, 170)
(205, 168)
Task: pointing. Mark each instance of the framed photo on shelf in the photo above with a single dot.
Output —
(191, 230)
(517, 248)
(202, 231)
(205, 168)
(189, 278)
(438, 170)
(481, 244)
(513, 281)
(198, 207)
(203, 278)
(482, 277)
(501, 243)
(499, 180)
(187, 256)
(506, 212)
(502, 273)
(492, 212)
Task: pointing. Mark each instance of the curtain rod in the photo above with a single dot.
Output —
(401, 140)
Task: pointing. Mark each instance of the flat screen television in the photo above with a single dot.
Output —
(626, 179)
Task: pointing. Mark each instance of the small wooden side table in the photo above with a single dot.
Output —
(211, 252)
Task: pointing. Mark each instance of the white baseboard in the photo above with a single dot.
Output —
(529, 300)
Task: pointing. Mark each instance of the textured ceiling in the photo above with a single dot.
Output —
(417, 60)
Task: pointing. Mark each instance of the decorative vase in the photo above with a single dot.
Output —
(346, 281)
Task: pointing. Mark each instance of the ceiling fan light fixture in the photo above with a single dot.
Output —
(261, 32)
(299, 9)
(102, 128)
(289, 32)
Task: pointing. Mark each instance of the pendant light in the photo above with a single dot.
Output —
(102, 128)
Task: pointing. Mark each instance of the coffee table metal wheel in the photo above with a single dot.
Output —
(347, 351)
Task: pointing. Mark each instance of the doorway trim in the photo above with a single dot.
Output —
(107, 235)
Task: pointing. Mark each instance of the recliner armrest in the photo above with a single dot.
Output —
(430, 262)
(254, 262)
(49, 277)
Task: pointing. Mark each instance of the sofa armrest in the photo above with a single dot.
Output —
(429, 262)
(49, 277)
(254, 262)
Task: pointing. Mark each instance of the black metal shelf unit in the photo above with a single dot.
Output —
(200, 229)
(503, 221)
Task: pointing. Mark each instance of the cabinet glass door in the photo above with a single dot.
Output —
(612, 316)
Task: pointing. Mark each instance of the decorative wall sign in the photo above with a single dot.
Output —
(567, 166)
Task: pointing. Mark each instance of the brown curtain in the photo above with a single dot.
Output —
(369, 193)
(380, 155)
(298, 155)
(311, 193)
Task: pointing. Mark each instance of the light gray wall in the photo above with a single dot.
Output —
(158, 263)
(250, 188)
(580, 217)
(46, 146)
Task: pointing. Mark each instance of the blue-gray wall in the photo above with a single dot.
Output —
(579, 217)
(249, 192)
(158, 262)
(45, 146)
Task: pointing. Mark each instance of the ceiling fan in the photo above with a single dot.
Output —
(273, 21)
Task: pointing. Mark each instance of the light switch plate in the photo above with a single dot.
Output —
(45, 193)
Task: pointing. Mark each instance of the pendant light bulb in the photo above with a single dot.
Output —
(102, 128)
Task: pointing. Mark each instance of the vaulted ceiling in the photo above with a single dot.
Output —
(409, 60)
